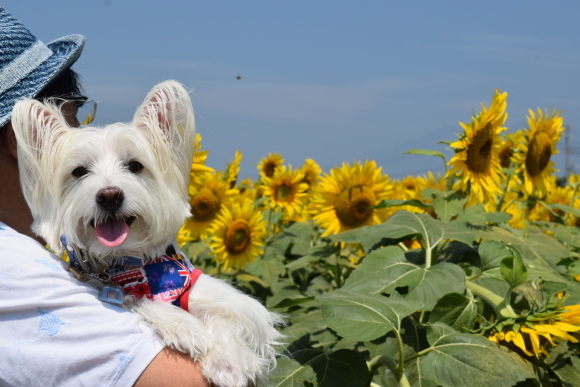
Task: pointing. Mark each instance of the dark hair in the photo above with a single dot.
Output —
(66, 84)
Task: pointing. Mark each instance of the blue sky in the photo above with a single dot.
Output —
(336, 81)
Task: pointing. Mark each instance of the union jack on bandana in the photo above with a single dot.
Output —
(166, 278)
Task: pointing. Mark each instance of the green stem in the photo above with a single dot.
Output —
(399, 369)
(449, 180)
(576, 187)
(338, 277)
(380, 361)
(502, 198)
(503, 308)
(419, 354)
(403, 381)
(268, 233)
(401, 365)
(428, 257)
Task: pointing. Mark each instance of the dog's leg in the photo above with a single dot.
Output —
(242, 331)
(178, 329)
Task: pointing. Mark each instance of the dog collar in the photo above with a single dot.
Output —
(168, 278)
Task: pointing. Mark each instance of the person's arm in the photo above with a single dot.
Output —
(171, 368)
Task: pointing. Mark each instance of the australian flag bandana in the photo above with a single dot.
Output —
(167, 278)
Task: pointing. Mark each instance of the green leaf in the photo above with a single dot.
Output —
(384, 270)
(564, 364)
(303, 322)
(194, 249)
(363, 317)
(244, 277)
(439, 280)
(430, 230)
(344, 367)
(513, 269)
(568, 235)
(288, 302)
(398, 203)
(461, 359)
(314, 254)
(295, 239)
(400, 225)
(540, 252)
(290, 373)
(289, 290)
(438, 330)
(426, 152)
(564, 208)
(459, 232)
(473, 216)
(446, 205)
(497, 217)
(269, 269)
(492, 253)
(456, 310)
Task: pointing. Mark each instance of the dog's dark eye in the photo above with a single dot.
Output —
(79, 172)
(135, 166)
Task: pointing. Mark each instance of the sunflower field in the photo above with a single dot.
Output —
(467, 277)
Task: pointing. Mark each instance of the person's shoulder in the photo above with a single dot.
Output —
(17, 245)
(8, 235)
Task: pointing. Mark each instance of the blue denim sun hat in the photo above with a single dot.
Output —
(27, 64)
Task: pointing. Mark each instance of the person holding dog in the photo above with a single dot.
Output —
(55, 331)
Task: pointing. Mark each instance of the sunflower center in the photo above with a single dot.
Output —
(353, 205)
(505, 155)
(205, 205)
(238, 236)
(539, 153)
(269, 168)
(479, 151)
(283, 192)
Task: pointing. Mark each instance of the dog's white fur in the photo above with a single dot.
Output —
(231, 334)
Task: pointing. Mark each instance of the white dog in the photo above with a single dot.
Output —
(116, 197)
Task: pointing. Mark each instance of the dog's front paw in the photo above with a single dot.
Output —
(222, 370)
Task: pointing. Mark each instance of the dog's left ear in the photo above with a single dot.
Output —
(166, 117)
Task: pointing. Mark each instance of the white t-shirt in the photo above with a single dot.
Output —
(54, 331)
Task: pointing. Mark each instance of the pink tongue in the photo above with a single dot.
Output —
(112, 233)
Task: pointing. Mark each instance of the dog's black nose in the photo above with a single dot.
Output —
(110, 198)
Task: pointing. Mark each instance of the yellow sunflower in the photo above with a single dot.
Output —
(512, 205)
(269, 164)
(535, 151)
(233, 170)
(238, 235)
(506, 149)
(247, 190)
(574, 183)
(408, 188)
(476, 162)
(556, 195)
(285, 190)
(537, 334)
(344, 198)
(206, 201)
(311, 171)
(198, 167)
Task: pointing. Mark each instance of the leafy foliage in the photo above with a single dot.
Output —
(445, 290)
(342, 303)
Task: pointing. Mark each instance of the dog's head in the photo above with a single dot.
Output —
(113, 191)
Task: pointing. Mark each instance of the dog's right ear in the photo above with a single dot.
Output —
(36, 125)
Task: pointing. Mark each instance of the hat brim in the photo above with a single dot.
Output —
(66, 51)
